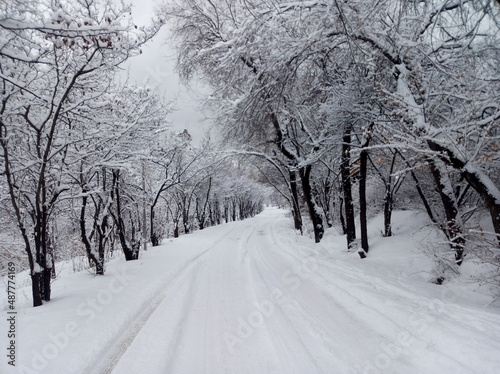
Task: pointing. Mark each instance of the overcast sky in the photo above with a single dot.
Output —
(157, 64)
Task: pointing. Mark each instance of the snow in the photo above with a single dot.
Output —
(255, 297)
(37, 268)
(407, 97)
(490, 186)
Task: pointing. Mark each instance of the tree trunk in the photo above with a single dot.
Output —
(420, 192)
(130, 253)
(154, 236)
(47, 279)
(317, 221)
(389, 197)
(326, 200)
(363, 158)
(233, 203)
(347, 188)
(452, 227)
(99, 268)
(341, 214)
(226, 210)
(388, 202)
(217, 214)
(211, 213)
(187, 229)
(36, 289)
(297, 217)
(102, 230)
(363, 168)
(478, 180)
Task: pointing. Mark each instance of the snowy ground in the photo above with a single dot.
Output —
(254, 297)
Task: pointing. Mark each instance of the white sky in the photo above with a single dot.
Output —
(157, 64)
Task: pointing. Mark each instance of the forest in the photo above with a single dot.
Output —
(336, 110)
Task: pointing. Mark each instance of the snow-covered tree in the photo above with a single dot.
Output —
(442, 57)
(297, 80)
(265, 78)
(55, 58)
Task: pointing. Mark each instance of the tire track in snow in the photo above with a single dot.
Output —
(193, 331)
(367, 287)
(336, 321)
(203, 334)
(107, 364)
(224, 292)
(305, 292)
(288, 348)
(264, 332)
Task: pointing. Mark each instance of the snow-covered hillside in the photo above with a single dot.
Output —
(255, 297)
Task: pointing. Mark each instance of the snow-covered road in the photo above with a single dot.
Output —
(257, 302)
(245, 306)
(254, 297)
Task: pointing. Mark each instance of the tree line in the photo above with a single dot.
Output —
(350, 104)
(345, 109)
(88, 163)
